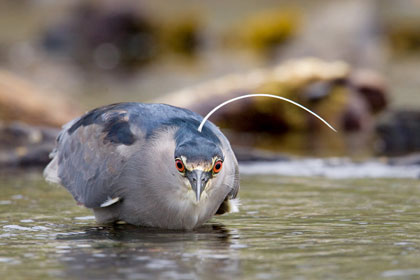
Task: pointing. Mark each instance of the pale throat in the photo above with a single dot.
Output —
(191, 197)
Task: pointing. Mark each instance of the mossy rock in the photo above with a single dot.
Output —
(266, 30)
(181, 35)
(404, 37)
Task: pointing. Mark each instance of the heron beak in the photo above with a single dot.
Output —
(198, 180)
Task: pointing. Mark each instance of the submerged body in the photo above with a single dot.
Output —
(146, 164)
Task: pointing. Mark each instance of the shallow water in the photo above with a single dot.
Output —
(288, 227)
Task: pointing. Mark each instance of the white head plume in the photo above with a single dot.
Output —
(261, 95)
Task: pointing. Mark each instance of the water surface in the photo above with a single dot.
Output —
(288, 227)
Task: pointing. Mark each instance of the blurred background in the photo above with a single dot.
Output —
(356, 63)
(315, 204)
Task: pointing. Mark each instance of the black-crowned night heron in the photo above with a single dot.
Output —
(149, 164)
(146, 164)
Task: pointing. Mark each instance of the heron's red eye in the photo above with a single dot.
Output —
(179, 165)
(217, 166)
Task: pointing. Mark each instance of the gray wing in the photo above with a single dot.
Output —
(88, 160)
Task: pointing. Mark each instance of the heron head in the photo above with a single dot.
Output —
(198, 160)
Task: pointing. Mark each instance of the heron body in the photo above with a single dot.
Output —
(146, 164)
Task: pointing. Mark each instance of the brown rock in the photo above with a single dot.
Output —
(21, 101)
